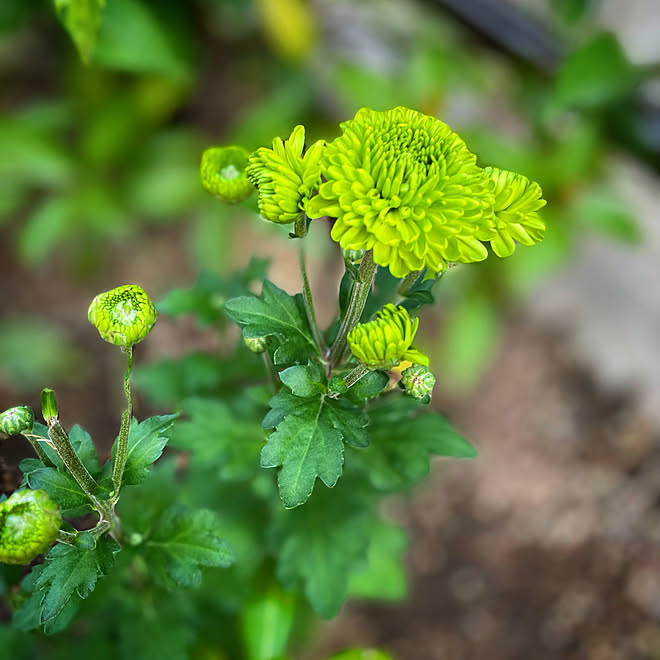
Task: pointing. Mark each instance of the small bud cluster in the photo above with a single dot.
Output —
(17, 420)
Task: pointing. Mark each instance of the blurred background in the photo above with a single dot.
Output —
(547, 545)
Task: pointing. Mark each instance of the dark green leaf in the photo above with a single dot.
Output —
(384, 577)
(403, 436)
(146, 441)
(82, 443)
(180, 542)
(304, 381)
(217, 436)
(323, 543)
(274, 313)
(307, 442)
(368, 387)
(61, 487)
(68, 571)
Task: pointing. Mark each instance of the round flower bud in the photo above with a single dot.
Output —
(123, 316)
(17, 420)
(417, 381)
(29, 522)
(256, 344)
(223, 173)
(387, 340)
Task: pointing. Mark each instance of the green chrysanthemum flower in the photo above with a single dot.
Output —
(17, 420)
(517, 200)
(123, 316)
(417, 381)
(285, 178)
(387, 340)
(29, 522)
(405, 185)
(223, 173)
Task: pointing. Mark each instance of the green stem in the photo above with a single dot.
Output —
(407, 282)
(300, 226)
(43, 457)
(351, 378)
(66, 537)
(359, 295)
(273, 378)
(72, 463)
(122, 442)
(309, 301)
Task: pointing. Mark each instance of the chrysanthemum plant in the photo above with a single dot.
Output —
(294, 439)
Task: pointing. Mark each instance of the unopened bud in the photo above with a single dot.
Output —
(123, 316)
(417, 381)
(256, 344)
(17, 420)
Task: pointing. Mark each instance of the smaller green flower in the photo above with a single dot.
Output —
(517, 200)
(17, 420)
(417, 381)
(123, 316)
(285, 178)
(29, 522)
(223, 173)
(387, 340)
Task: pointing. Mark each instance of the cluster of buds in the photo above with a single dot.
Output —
(17, 420)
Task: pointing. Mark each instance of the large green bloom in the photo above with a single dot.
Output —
(285, 178)
(517, 200)
(387, 340)
(405, 185)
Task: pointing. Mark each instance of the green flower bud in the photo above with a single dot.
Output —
(29, 522)
(517, 200)
(387, 340)
(417, 381)
(256, 344)
(123, 316)
(17, 420)
(223, 173)
(48, 404)
(285, 178)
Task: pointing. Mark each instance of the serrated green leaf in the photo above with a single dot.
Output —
(146, 441)
(68, 571)
(304, 380)
(274, 313)
(82, 444)
(368, 387)
(403, 436)
(62, 489)
(307, 442)
(323, 543)
(216, 436)
(181, 541)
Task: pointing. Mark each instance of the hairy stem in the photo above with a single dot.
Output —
(359, 295)
(352, 377)
(72, 463)
(122, 442)
(309, 302)
(407, 282)
(35, 442)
